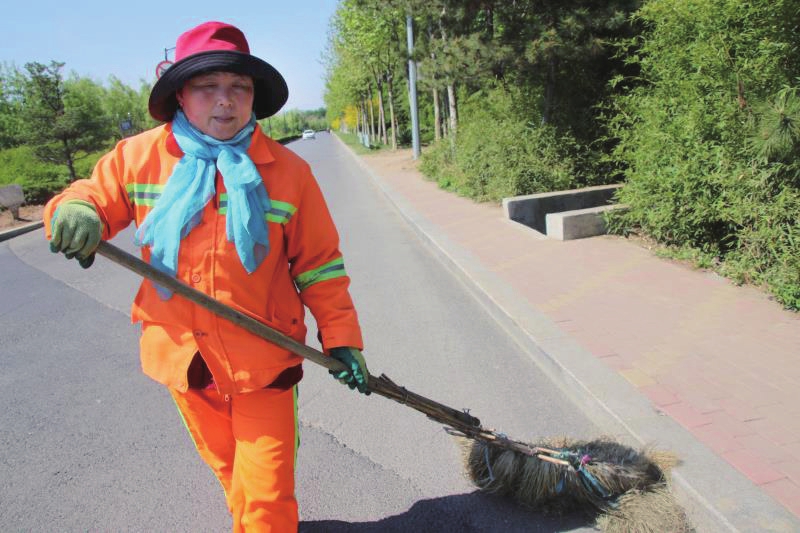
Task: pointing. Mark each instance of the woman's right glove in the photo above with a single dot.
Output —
(356, 375)
(76, 231)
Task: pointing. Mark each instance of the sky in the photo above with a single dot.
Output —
(127, 39)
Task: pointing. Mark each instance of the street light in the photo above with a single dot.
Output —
(412, 82)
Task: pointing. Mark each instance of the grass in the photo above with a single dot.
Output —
(352, 140)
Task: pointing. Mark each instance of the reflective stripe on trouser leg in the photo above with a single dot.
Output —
(296, 393)
(206, 416)
(262, 492)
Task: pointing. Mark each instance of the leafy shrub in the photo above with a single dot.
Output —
(85, 165)
(499, 152)
(437, 163)
(708, 140)
(40, 181)
(768, 249)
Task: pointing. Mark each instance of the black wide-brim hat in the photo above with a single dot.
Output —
(217, 47)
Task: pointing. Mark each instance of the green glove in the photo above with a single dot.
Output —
(356, 375)
(76, 231)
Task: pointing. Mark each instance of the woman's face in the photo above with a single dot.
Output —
(218, 103)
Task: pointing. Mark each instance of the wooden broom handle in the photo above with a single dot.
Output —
(380, 385)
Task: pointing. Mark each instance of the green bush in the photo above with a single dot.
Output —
(85, 165)
(40, 181)
(708, 140)
(437, 163)
(499, 152)
(768, 251)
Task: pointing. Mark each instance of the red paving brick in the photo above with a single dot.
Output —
(764, 448)
(660, 395)
(731, 425)
(686, 415)
(719, 439)
(699, 400)
(790, 468)
(786, 492)
(753, 465)
(738, 408)
(774, 428)
(728, 354)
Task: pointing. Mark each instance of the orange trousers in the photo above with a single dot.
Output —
(250, 442)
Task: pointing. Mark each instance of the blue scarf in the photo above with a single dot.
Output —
(192, 185)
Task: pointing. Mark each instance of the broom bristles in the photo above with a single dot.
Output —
(651, 511)
(608, 471)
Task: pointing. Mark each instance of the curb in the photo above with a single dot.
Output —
(734, 503)
(19, 230)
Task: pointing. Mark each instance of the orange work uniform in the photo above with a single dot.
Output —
(304, 267)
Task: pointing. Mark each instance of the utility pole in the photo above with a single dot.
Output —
(412, 82)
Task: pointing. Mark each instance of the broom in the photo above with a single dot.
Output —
(556, 475)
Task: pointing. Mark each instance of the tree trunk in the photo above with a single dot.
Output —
(549, 91)
(444, 122)
(390, 87)
(451, 92)
(367, 125)
(451, 97)
(381, 115)
(437, 112)
(70, 161)
(364, 121)
(437, 119)
(371, 118)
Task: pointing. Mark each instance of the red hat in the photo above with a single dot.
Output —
(217, 47)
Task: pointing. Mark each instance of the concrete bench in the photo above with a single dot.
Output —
(533, 210)
(11, 198)
(579, 223)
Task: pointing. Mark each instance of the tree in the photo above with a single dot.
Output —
(63, 120)
(291, 122)
(366, 51)
(11, 91)
(122, 103)
(562, 53)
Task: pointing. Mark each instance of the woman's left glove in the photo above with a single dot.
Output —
(356, 376)
(76, 230)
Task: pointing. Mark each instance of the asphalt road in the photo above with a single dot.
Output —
(90, 444)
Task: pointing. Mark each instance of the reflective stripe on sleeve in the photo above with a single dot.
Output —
(330, 270)
(144, 193)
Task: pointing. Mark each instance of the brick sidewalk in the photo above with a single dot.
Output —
(721, 360)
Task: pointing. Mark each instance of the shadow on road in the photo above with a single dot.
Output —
(463, 513)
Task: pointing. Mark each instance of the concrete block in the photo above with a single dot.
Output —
(532, 209)
(578, 224)
(11, 198)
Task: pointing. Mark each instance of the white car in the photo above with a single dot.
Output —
(309, 134)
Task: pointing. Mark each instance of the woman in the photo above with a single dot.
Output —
(231, 212)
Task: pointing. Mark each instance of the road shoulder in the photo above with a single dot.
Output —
(716, 496)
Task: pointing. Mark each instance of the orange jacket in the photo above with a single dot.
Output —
(304, 265)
